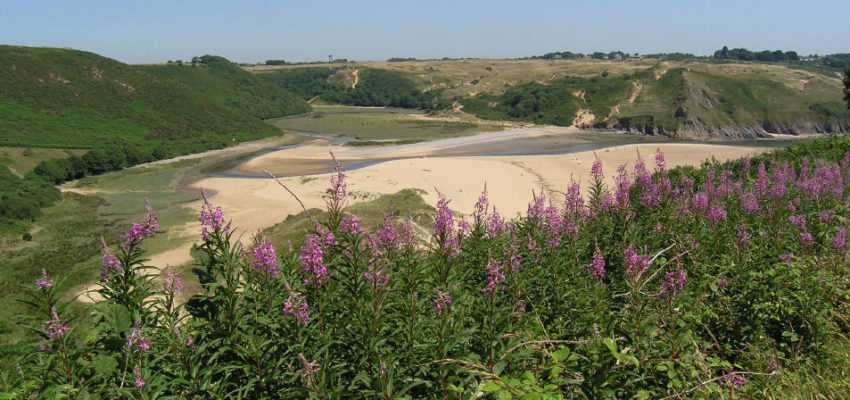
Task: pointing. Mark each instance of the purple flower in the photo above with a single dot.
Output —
(732, 380)
(721, 283)
(799, 221)
(138, 338)
(537, 208)
(623, 189)
(143, 229)
(444, 226)
(596, 170)
(189, 341)
(674, 282)
(716, 214)
(313, 268)
(109, 262)
(43, 282)
(840, 239)
(826, 216)
(211, 218)
(386, 235)
(481, 207)
(442, 303)
(296, 306)
(700, 201)
(407, 236)
(377, 275)
(55, 327)
(660, 161)
(749, 202)
(350, 224)
(308, 369)
(495, 225)
(596, 269)
(786, 258)
(139, 381)
(338, 189)
(495, 277)
(635, 264)
(172, 282)
(265, 258)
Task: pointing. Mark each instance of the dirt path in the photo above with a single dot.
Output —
(356, 74)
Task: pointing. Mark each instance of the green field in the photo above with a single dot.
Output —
(366, 123)
(21, 160)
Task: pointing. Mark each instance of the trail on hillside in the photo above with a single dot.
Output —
(637, 87)
(356, 74)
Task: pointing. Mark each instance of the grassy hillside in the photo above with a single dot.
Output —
(123, 115)
(72, 99)
(688, 98)
(227, 84)
(352, 86)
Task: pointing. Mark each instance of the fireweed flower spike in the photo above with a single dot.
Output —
(55, 327)
(596, 269)
(296, 306)
(313, 268)
(212, 218)
(350, 224)
(43, 282)
(444, 227)
(674, 282)
(172, 282)
(139, 381)
(143, 229)
(635, 263)
(265, 258)
(840, 239)
(109, 262)
(495, 277)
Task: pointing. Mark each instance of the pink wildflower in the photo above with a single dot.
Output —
(313, 267)
(43, 282)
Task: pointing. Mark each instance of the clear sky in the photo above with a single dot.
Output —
(150, 31)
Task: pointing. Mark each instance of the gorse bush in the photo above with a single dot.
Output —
(673, 283)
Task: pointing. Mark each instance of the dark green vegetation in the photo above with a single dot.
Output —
(740, 54)
(725, 281)
(226, 83)
(373, 88)
(125, 115)
(555, 103)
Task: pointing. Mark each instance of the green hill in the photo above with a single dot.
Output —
(72, 99)
(123, 115)
(228, 84)
(696, 98)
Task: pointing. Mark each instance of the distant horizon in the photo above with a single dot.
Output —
(254, 31)
(413, 58)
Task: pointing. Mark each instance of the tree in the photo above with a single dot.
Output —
(847, 87)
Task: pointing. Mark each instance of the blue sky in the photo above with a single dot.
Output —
(152, 31)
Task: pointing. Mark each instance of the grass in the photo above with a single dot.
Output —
(406, 203)
(21, 160)
(65, 243)
(72, 99)
(370, 124)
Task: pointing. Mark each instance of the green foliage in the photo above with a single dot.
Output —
(229, 85)
(847, 87)
(375, 87)
(126, 115)
(764, 56)
(555, 103)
